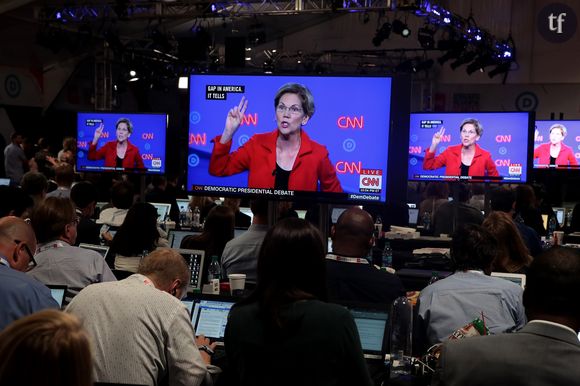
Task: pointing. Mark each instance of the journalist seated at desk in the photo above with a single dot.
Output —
(350, 276)
(545, 352)
(455, 301)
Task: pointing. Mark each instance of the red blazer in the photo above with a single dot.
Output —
(565, 157)
(482, 164)
(258, 156)
(108, 151)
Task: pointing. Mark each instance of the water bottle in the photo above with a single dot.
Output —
(196, 223)
(426, 220)
(434, 277)
(401, 337)
(387, 256)
(552, 225)
(214, 270)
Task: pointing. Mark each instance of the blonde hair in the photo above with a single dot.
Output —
(48, 348)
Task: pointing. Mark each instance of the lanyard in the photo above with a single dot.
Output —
(345, 259)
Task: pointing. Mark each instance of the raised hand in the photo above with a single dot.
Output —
(98, 133)
(234, 120)
(436, 139)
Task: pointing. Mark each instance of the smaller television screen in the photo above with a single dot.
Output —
(121, 142)
(479, 147)
(556, 144)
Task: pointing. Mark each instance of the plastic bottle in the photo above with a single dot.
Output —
(434, 277)
(196, 223)
(182, 218)
(387, 256)
(552, 225)
(214, 270)
(401, 337)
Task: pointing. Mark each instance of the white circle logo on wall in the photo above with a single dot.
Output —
(557, 23)
(526, 101)
(193, 160)
(243, 139)
(349, 145)
(12, 86)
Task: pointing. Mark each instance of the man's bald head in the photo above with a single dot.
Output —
(14, 229)
(353, 232)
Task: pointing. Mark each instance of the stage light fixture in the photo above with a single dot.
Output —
(482, 61)
(382, 33)
(425, 37)
(401, 28)
(464, 58)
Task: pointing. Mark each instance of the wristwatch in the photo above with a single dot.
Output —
(206, 348)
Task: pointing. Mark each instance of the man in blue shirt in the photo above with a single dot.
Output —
(20, 294)
(455, 301)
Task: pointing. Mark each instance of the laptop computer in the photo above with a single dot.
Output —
(58, 292)
(182, 204)
(372, 323)
(560, 215)
(413, 216)
(194, 259)
(162, 210)
(101, 249)
(210, 316)
(175, 237)
(517, 278)
(189, 304)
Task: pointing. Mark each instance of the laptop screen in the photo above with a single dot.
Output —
(210, 317)
(517, 278)
(189, 304)
(175, 237)
(413, 216)
(372, 323)
(58, 292)
(101, 249)
(560, 215)
(162, 210)
(182, 204)
(194, 259)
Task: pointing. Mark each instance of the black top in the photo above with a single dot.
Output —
(118, 162)
(319, 347)
(282, 177)
(552, 160)
(361, 283)
(464, 169)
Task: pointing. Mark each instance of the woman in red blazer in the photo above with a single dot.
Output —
(555, 153)
(465, 159)
(120, 153)
(285, 158)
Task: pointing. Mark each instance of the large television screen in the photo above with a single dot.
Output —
(121, 142)
(557, 144)
(482, 147)
(341, 153)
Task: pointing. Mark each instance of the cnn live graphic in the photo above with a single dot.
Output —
(370, 180)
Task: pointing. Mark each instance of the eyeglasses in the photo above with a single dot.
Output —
(468, 132)
(31, 262)
(294, 110)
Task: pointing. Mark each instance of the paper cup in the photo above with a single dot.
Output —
(237, 283)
